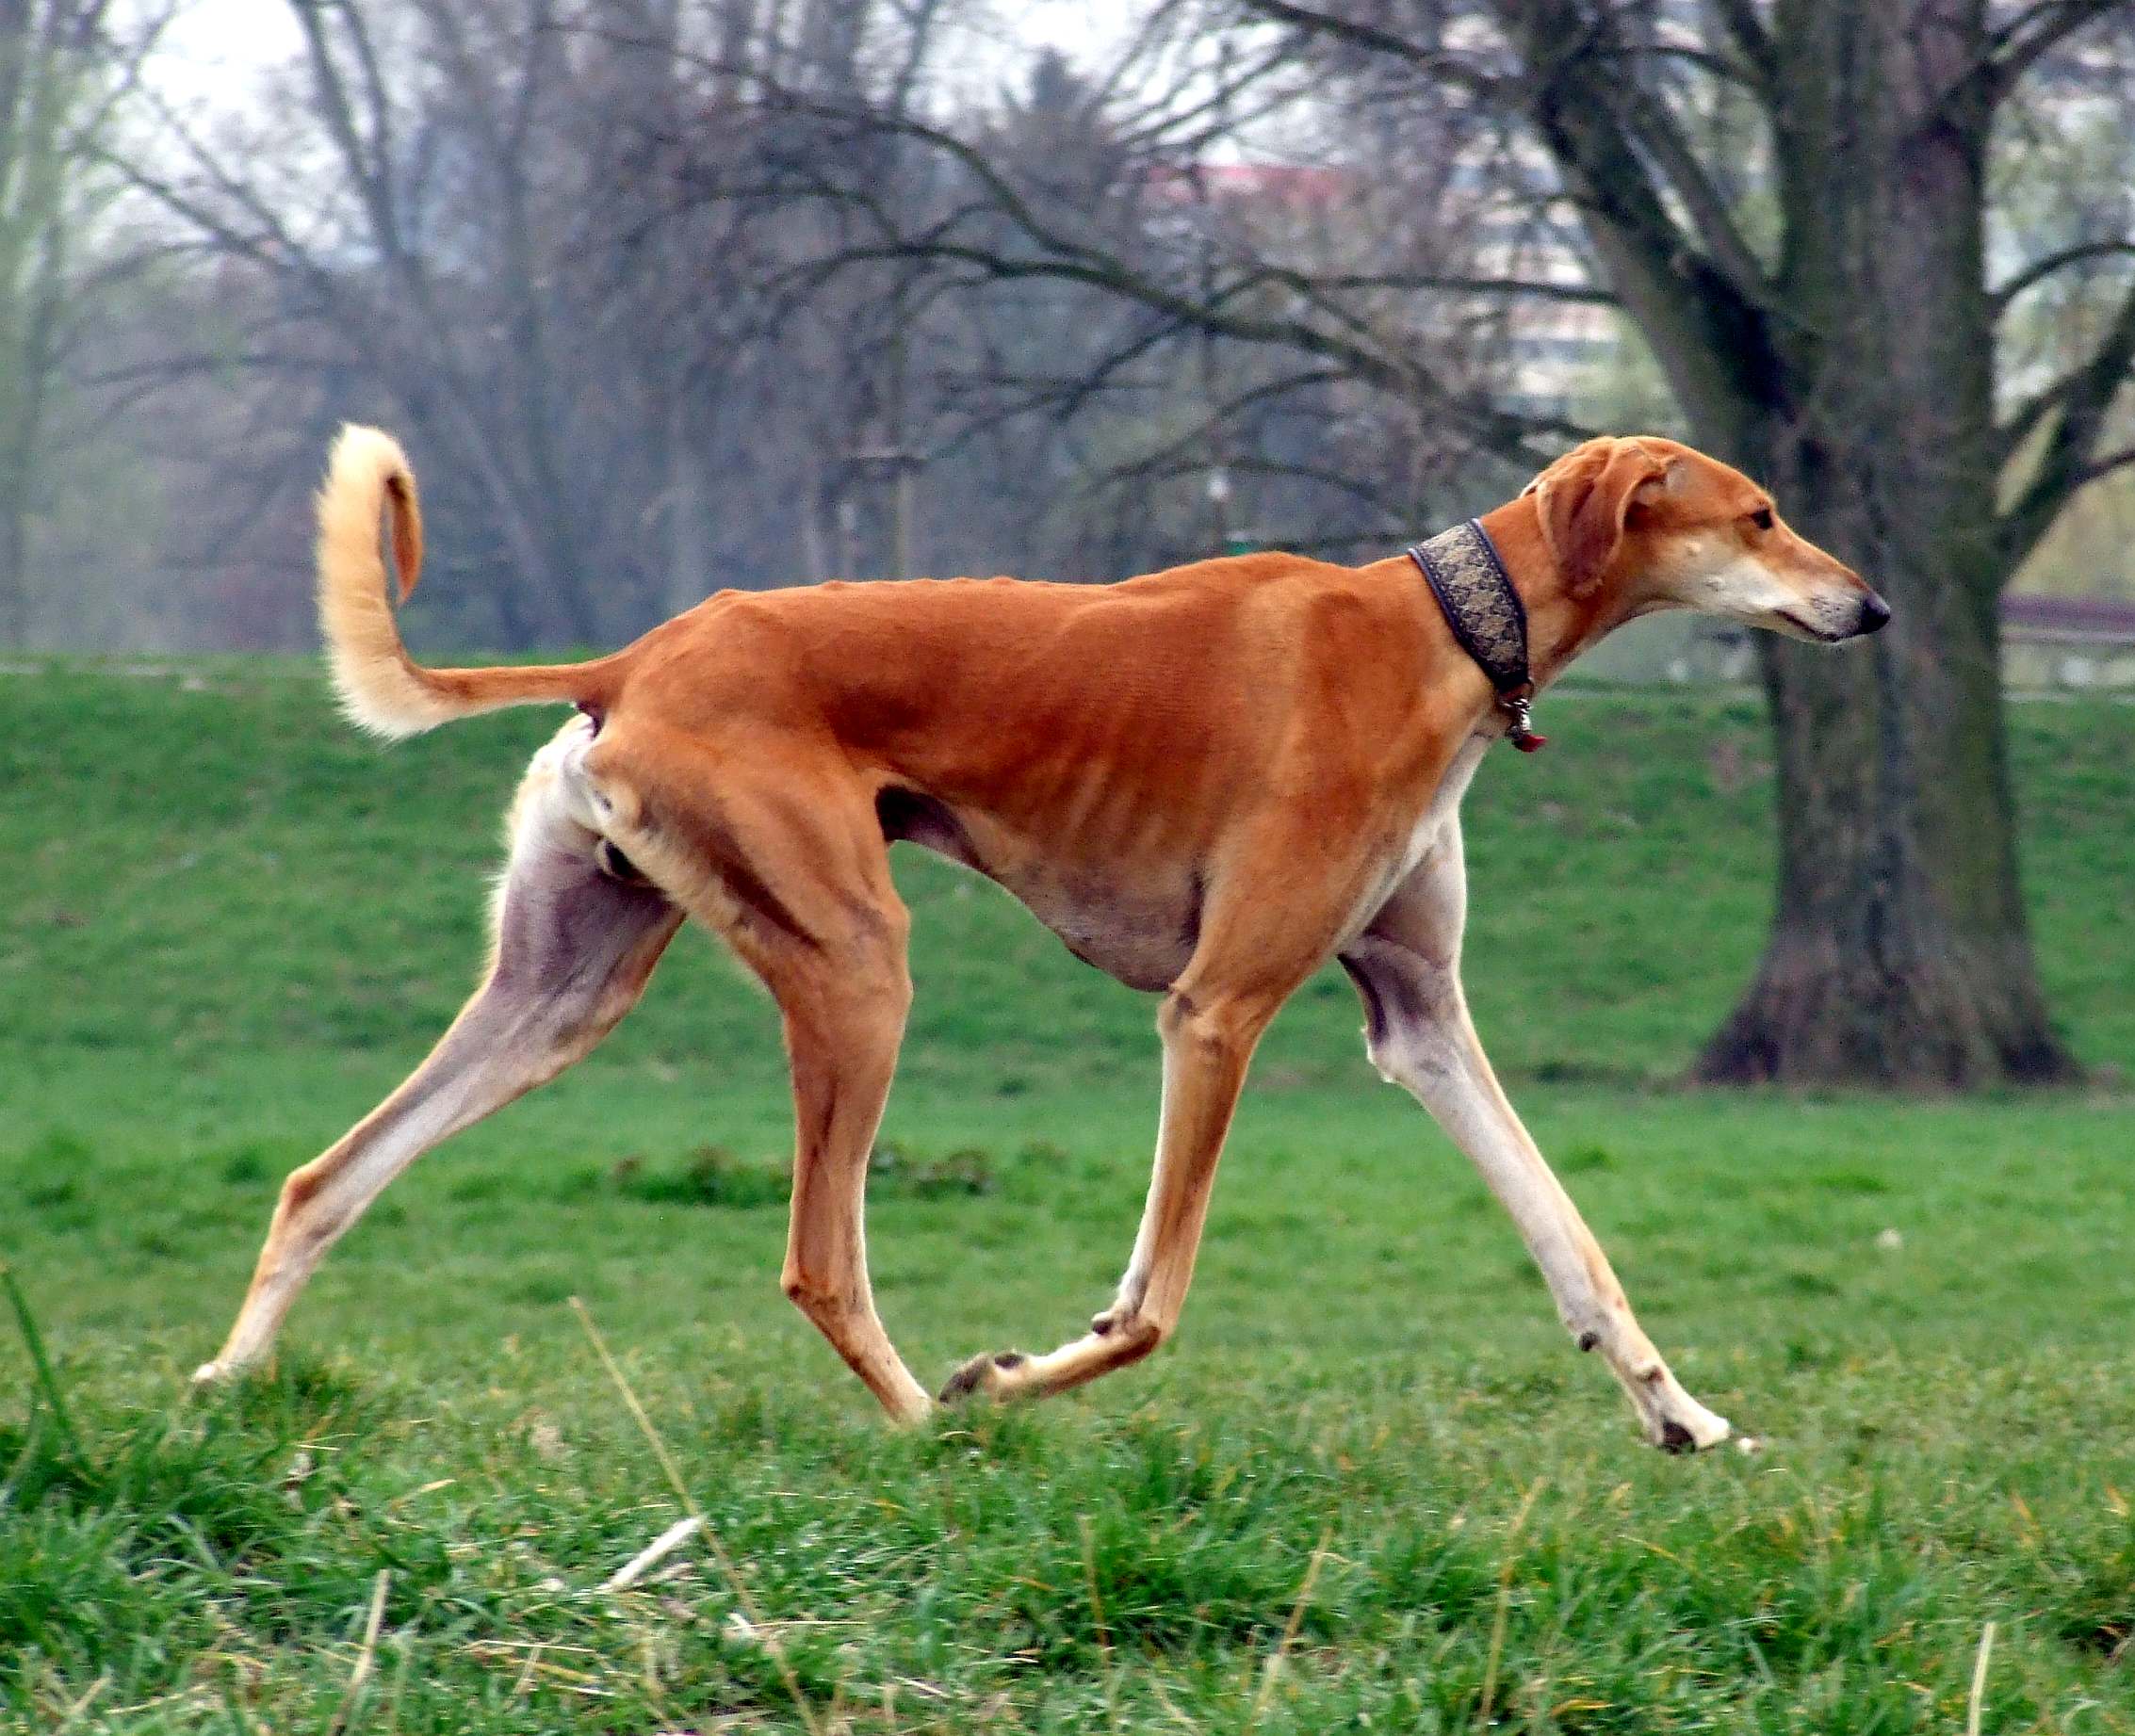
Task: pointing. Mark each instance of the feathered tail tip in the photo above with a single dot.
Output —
(380, 687)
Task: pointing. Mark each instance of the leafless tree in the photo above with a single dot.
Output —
(555, 242)
(1823, 302)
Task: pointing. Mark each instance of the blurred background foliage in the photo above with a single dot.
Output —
(673, 295)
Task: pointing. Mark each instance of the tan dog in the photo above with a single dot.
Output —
(1206, 781)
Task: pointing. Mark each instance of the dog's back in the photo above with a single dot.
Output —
(979, 690)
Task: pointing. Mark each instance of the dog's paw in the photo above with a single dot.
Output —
(988, 1376)
(217, 1377)
(1694, 1430)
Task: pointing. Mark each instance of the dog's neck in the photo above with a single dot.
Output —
(1559, 626)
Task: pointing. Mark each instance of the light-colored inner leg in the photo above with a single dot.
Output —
(573, 953)
(1422, 1039)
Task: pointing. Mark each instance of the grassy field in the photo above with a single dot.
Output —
(1370, 1488)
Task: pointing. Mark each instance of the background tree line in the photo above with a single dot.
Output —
(596, 263)
(669, 295)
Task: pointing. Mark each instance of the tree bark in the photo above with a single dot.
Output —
(1899, 952)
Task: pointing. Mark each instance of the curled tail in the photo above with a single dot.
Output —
(381, 687)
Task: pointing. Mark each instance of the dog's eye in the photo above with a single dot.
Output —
(1762, 518)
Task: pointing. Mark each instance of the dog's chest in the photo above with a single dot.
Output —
(1138, 926)
(1427, 832)
(1437, 819)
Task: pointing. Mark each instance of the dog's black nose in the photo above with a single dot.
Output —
(1875, 614)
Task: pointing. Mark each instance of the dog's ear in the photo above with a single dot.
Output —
(1584, 499)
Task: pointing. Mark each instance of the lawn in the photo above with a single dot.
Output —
(1370, 1488)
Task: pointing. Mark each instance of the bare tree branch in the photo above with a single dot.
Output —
(2078, 405)
(1059, 256)
(366, 160)
(1703, 312)
(1454, 68)
(2035, 32)
(1739, 18)
(2045, 266)
(2105, 466)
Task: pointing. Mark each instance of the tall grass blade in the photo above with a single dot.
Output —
(47, 1382)
(352, 1695)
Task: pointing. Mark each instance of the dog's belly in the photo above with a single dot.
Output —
(1138, 926)
(1141, 937)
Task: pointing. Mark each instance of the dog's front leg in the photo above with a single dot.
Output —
(1418, 1036)
(1207, 1042)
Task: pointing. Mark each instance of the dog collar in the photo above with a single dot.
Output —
(1469, 580)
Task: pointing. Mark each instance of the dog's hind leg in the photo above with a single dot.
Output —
(844, 1019)
(773, 845)
(1406, 966)
(573, 947)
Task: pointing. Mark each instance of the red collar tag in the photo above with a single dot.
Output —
(1518, 708)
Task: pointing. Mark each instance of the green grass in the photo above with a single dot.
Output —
(231, 926)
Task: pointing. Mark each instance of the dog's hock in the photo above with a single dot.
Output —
(1126, 1307)
(1128, 1331)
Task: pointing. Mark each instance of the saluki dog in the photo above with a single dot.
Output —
(1206, 781)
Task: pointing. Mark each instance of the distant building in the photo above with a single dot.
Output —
(2074, 642)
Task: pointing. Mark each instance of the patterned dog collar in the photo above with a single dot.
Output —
(1462, 569)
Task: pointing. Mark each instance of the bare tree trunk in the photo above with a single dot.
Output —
(1899, 951)
(23, 427)
(689, 550)
(15, 557)
(20, 430)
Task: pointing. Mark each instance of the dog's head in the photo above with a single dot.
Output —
(1674, 529)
